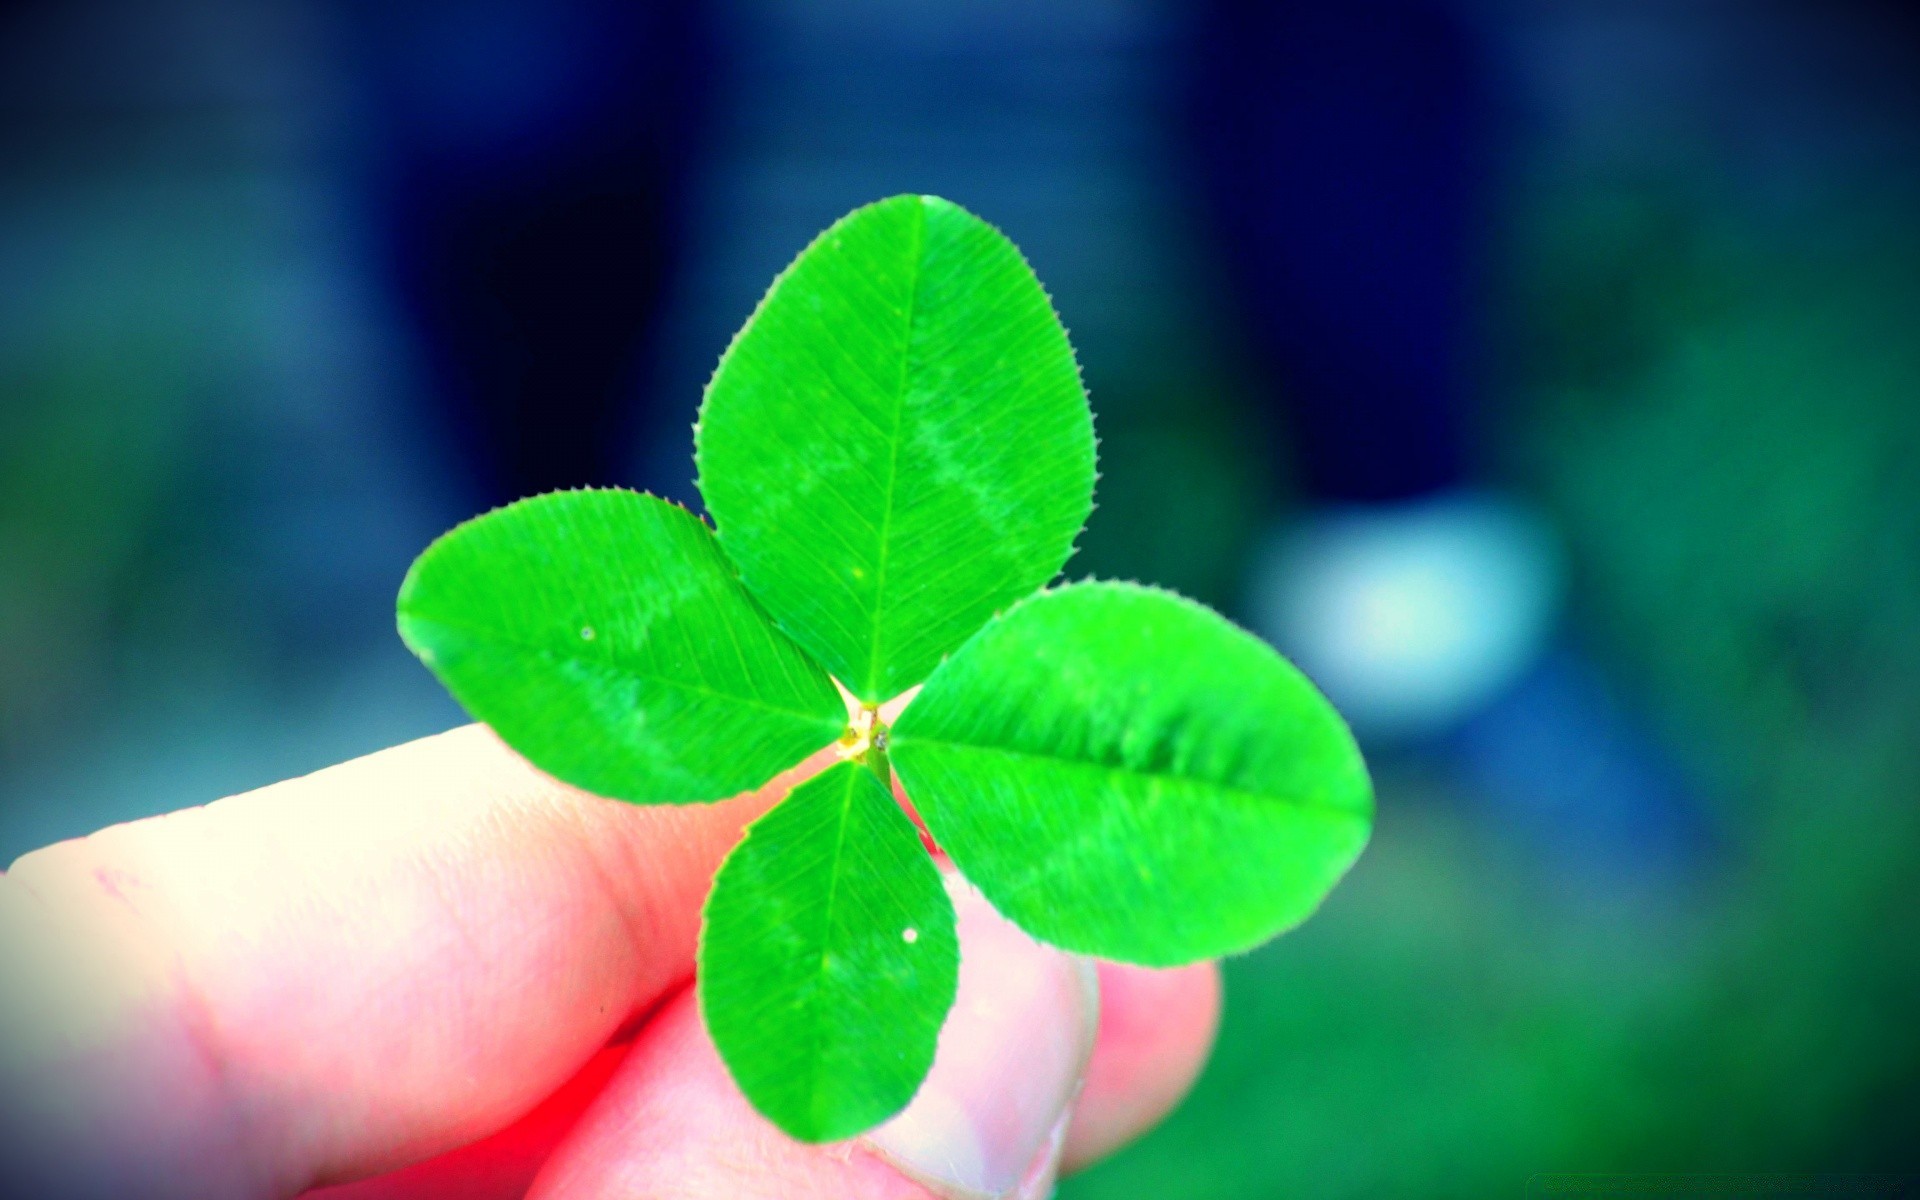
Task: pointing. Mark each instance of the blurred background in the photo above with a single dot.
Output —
(1543, 375)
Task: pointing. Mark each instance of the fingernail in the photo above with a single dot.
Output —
(988, 1122)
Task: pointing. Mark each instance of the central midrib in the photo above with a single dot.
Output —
(871, 692)
(610, 661)
(816, 1061)
(898, 742)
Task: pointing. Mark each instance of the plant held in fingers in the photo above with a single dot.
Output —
(897, 454)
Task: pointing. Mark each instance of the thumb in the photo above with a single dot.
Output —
(987, 1124)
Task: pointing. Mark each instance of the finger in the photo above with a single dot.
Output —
(1156, 1029)
(348, 972)
(987, 1123)
(671, 1125)
(500, 1167)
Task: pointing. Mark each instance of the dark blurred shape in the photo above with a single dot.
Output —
(1345, 154)
(536, 162)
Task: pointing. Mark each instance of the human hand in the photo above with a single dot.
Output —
(440, 973)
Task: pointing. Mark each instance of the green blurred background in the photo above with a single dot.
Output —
(216, 462)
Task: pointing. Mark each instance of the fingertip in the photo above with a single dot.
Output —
(500, 1167)
(1156, 1030)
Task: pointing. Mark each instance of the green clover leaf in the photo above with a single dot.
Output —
(898, 456)
(1115, 741)
(605, 637)
(897, 444)
(829, 923)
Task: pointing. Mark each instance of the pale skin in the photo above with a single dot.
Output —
(435, 971)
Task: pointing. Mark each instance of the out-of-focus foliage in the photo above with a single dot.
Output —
(1723, 416)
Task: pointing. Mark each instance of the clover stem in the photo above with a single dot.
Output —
(876, 753)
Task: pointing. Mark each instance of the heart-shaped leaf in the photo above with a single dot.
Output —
(1126, 773)
(897, 444)
(603, 635)
(828, 960)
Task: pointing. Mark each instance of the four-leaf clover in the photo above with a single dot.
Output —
(897, 455)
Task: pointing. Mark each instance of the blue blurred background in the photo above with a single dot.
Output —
(1541, 374)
